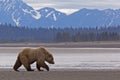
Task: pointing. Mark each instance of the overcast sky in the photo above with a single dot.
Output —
(69, 6)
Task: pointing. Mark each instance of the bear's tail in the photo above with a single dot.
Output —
(17, 64)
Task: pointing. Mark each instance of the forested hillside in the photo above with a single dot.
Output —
(14, 34)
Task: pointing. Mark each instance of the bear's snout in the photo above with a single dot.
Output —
(51, 62)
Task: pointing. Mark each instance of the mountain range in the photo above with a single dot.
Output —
(18, 13)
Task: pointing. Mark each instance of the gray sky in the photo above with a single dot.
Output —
(69, 6)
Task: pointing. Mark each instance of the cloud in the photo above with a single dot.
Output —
(66, 5)
(41, 5)
(68, 11)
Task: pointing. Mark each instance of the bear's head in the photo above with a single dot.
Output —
(50, 59)
(48, 56)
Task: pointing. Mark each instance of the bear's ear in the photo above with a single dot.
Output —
(42, 48)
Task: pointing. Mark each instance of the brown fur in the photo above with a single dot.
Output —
(28, 56)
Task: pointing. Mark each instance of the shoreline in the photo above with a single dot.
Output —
(70, 50)
(96, 44)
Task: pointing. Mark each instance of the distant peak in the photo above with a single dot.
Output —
(8, 5)
(11, 0)
(85, 9)
(47, 9)
(108, 10)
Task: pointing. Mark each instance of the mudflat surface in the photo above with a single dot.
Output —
(60, 75)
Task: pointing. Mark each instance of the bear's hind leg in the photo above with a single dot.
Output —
(26, 64)
(17, 64)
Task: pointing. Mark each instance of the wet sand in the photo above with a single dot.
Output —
(60, 75)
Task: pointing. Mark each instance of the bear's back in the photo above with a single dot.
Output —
(29, 53)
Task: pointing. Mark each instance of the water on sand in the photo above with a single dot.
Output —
(71, 58)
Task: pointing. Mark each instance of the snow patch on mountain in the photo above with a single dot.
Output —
(54, 17)
(87, 14)
(15, 20)
(35, 14)
(46, 10)
(59, 13)
(49, 14)
(110, 23)
(9, 7)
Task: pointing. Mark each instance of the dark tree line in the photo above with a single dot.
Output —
(9, 33)
(90, 36)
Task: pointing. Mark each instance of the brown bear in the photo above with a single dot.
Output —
(28, 56)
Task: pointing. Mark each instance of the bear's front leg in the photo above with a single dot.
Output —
(38, 66)
(45, 66)
(42, 64)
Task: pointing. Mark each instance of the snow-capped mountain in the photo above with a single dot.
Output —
(50, 13)
(18, 13)
(49, 16)
(92, 18)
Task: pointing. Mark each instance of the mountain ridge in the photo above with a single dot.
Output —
(17, 12)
